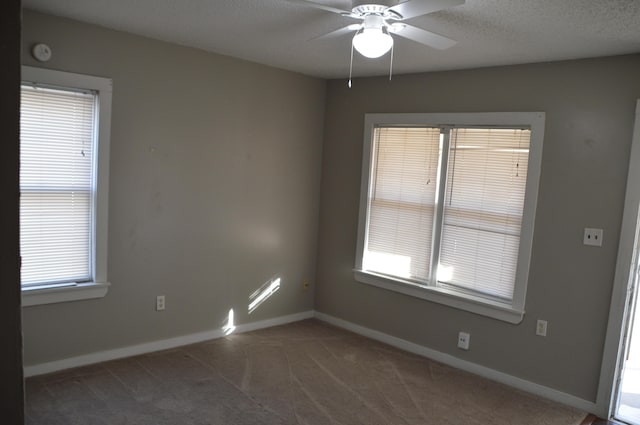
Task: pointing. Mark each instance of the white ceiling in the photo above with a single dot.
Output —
(279, 33)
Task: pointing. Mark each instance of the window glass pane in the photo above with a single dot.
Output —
(402, 199)
(486, 181)
(56, 185)
(55, 236)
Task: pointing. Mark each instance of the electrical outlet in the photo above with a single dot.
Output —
(593, 237)
(541, 328)
(463, 340)
(160, 302)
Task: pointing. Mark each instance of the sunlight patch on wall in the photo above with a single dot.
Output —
(230, 326)
(263, 293)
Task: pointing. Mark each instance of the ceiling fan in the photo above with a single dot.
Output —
(381, 18)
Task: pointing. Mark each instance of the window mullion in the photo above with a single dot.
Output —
(438, 216)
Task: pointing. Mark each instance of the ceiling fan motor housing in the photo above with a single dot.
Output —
(374, 21)
(365, 8)
(379, 3)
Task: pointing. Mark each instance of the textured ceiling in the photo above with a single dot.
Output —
(280, 33)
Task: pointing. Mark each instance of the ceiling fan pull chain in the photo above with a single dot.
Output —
(391, 64)
(350, 65)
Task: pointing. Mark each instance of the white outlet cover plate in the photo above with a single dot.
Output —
(593, 237)
(463, 340)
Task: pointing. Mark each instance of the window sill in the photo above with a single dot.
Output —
(477, 305)
(38, 295)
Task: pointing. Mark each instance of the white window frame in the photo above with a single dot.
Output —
(509, 312)
(47, 294)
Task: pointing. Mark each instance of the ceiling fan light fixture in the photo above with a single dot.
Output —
(372, 42)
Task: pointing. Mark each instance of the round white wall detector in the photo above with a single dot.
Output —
(41, 52)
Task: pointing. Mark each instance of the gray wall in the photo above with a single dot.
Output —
(589, 109)
(214, 182)
(11, 386)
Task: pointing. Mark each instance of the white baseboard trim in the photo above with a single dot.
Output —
(485, 372)
(149, 347)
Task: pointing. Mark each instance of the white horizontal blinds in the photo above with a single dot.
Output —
(483, 204)
(56, 185)
(401, 204)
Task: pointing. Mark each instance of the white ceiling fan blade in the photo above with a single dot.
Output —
(321, 7)
(427, 38)
(339, 32)
(412, 8)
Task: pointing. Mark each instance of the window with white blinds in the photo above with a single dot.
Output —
(56, 185)
(64, 181)
(403, 197)
(449, 207)
(486, 182)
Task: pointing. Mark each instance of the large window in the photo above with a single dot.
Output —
(64, 152)
(447, 207)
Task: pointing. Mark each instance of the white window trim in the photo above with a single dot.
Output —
(508, 312)
(48, 294)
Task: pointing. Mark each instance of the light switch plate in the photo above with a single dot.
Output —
(541, 327)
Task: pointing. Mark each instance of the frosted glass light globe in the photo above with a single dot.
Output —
(372, 42)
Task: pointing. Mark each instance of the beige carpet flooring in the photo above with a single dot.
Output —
(302, 373)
